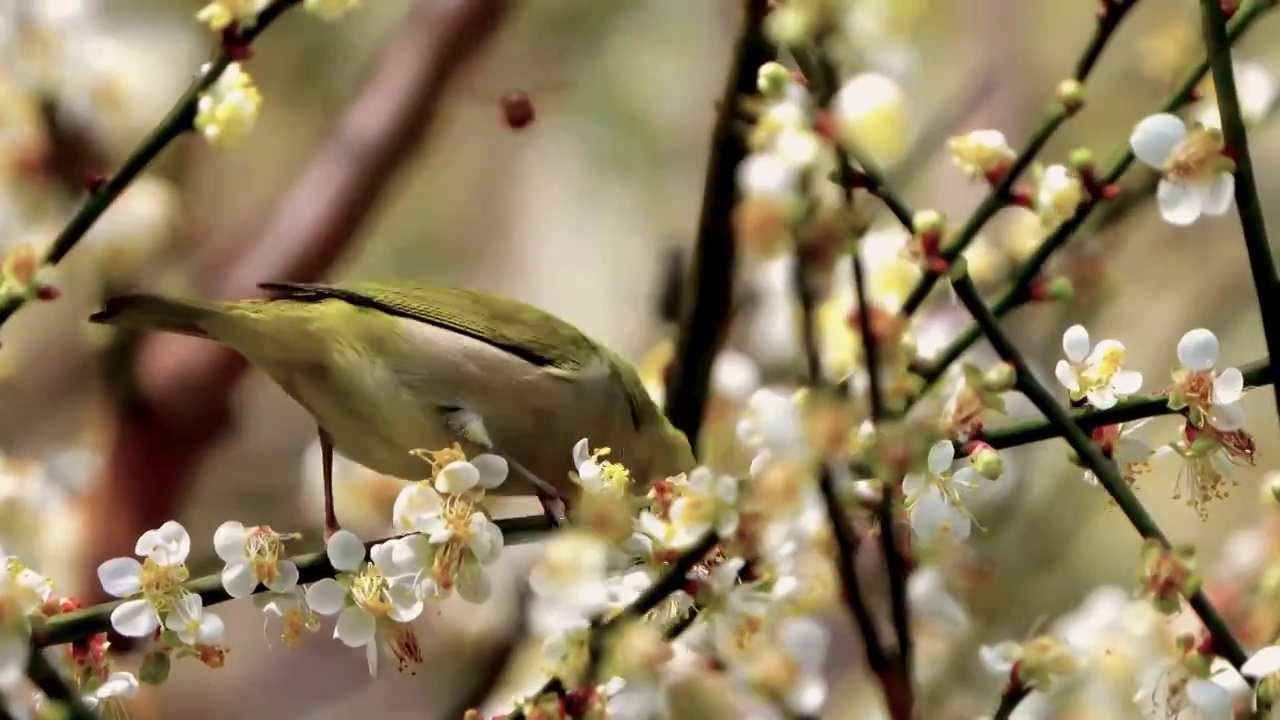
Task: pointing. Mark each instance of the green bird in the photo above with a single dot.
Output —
(389, 368)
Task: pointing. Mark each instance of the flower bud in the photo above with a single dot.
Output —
(1197, 664)
(988, 463)
(1059, 289)
(789, 26)
(772, 80)
(155, 668)
(1001, 377)
(1081, 160)
(929, 222)
(1071, 96)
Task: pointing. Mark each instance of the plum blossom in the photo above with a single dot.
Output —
(981, 153)
(933, 498)
(1206, 395)
(1196, 177)
(253, 555)
(784, 663)
(454, 538)
(596, 474)
(193, 626)
(692, 504)
(152, 586)
(373, 600)
(1095, 374)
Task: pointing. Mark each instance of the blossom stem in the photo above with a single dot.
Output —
(1090, 454)
(895, 682)
(175, 124)
(56, 688)
(1000, 192)
(704, 321)
(1016, 294)
(823, 82)
(86, 622)
(1010, 699)
(1266, 280)
(1256, 374)
(671, 581)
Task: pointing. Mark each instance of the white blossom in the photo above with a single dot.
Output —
(150, 587)
(253, 555)
(1196, 176)
(1095, 374)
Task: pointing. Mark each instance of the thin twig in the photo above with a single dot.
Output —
(1262, 265)
(1000, 192)
(175, 124)
(87, 622)
(56, 688)
(1256, 374)
(710, 298)
(1090, 455)
(1010, 699)
(1016, 294)
(672, 580)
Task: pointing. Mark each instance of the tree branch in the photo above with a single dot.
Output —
(1262, 265)
(87, 622)
(1224, 643)
(710, 295)
(1000, 192)
(1016, 294)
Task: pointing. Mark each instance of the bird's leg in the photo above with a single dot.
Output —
(470, 426)
(326, 462)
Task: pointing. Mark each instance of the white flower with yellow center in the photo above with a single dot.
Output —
(933, 498)
(253, 555)
(981, 153)
(373, 600)
(330, 9)
(784, 663)
(702, 502)
(871, 115)
(456, 538)
(1058, 195)
(596, 474)
(295, 615)
(218, 15)
(1096, 373)
(1208, 395)
(1196, 177)
(193, 626)
(773, 424)
(152, 586)
(228, 110)
(568, 582)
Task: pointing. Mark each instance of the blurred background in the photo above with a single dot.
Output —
(577, 212)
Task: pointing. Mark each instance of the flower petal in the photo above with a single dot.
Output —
(228, 541)
(135, 618)
(808, 695)
(326, 596)
(1155, 137)
(1180, 203)
(1075, 343)
(941, 455)
(355, 627)
(998, 658)
(121, 577)
(212, 630)
(473, 583)
(1220, 194)
(286, 577)
(345, 551)
(1066, 376)
(1262, 663)
(1198, 350)
(1102, 398)
(457, 477)
(493, 470)
(239, 580)
(1228, 387)
(928, 514)
(913, 484)
(406, 606)
(1227, 417)
(412, 551)
(1126, 382)
(1211, 700)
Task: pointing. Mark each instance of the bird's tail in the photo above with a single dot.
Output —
(154, 312)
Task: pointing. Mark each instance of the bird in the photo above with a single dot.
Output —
(388, 369)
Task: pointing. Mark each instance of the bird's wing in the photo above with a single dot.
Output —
(510, 325)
